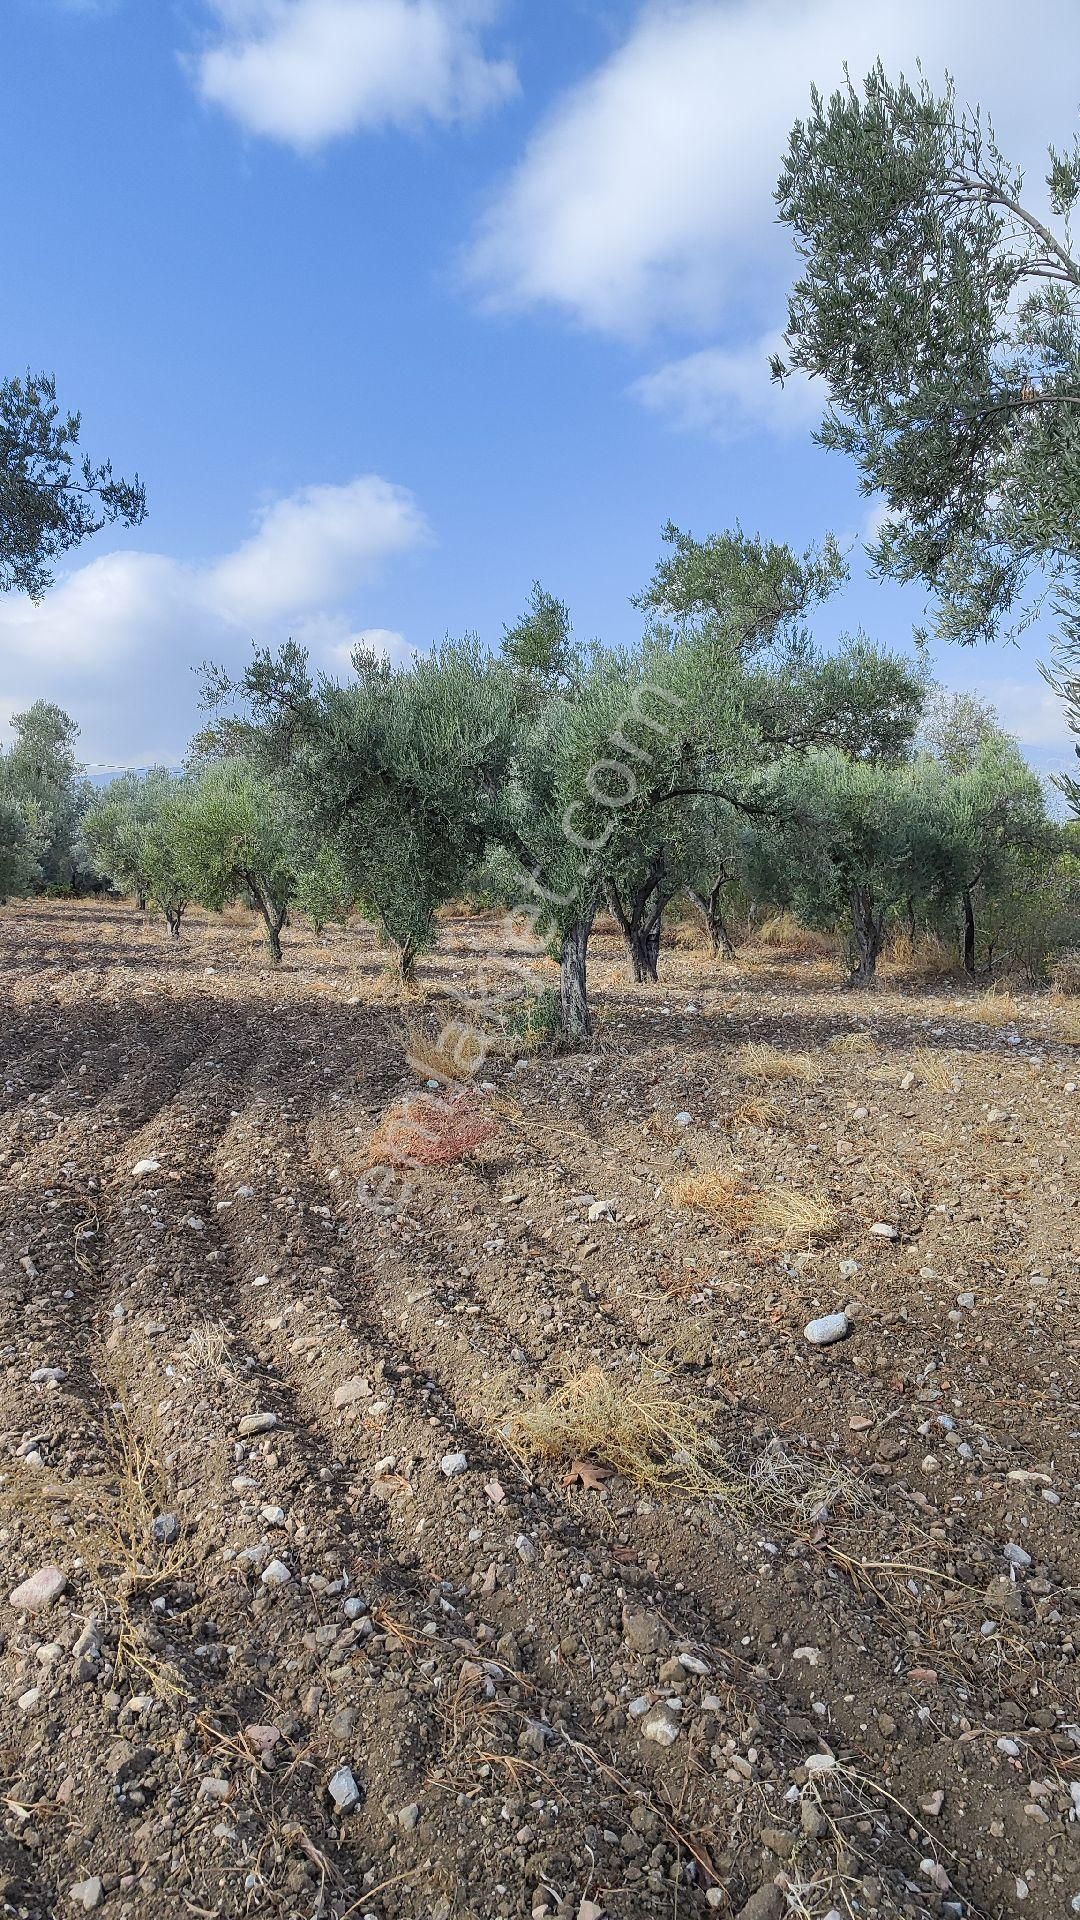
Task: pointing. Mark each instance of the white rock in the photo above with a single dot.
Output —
(820, 1762)
(276, 1574)
(600, 1210)
(47, 1376)
(87, 1894)
(211, 1787)
(1016, 1556)
(145, 1166)
(661, 1726)
(42, 1589)
(883, 1230)
(343, 1790)
(828, 1329)
(453, 1463)
(683, 1119)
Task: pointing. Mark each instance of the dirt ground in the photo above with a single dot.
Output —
(305, 1661)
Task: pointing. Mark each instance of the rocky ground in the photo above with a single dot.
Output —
(293, 1622)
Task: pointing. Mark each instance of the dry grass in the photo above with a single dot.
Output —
(783, 931)
(1066, 1028)
(1065, 974)
(918, 958)
(762, 1061)
(423, 1131)
(657, 1439)
(796, 1217)
(994, 1010)
(935, 1070)
(453, 1054)
(207, 1349)
(854, 1042)
(717, 1194)
(758, 1112)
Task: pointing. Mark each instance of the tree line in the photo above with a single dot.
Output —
(725, 752)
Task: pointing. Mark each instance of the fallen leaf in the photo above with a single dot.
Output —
(590, 1475)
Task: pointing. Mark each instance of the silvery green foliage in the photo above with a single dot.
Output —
(940, 310)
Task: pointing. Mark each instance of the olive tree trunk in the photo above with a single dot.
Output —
(573, 982)
(710, 907)
(867, 929)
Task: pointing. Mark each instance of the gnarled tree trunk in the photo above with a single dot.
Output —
(867, 929)
(710, 907)
(406, 962)
(573, 983)
(968, 905)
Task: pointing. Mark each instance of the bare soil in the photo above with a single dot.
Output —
(861, 1652)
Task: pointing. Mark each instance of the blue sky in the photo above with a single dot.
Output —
(398, 305)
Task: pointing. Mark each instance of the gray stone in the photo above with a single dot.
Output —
(825, 1331)
(343, 1790)
(352, 1390)
(42, 1589)
(166, 1529)
(452, 1464)
(88, 1894)
(256, 1423)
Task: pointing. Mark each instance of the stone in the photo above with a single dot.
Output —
(824, 1332)
(165, 1528)
(452, 1464)
(643, 1631)
(47, 1377)
(600, 1210)
(87, 1894)
(408, 1817)
(145, 1166)
(767, 1903)
(883, 1231)
(343, 1790)
(213, 1787)
(352, 1390)
(1016, 1556)
(262, 1739)
(256, 1423)
(683, 1119)
(662, 1727)
(43, 1589)
(277, 1574)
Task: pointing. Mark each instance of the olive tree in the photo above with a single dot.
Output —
(850, 840)
(233, 841)
(942, 312)
(40, 773)
(118, 828)
(48, 502)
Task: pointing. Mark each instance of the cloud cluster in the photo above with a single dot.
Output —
(643, 200)
(117, 637)
(309, 71)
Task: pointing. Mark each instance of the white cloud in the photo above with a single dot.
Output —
(309, 71)
(116, 638)
(315, 546)
(644, 199)
(728, 392)
(331, 640)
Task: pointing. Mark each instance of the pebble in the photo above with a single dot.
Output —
(355, 1389)
(88, 1894)
(827, 1330)
(42, 1589)
(166, 1529)
(662, 1727)
(453, 1463)
(600, 1210)
(256, 1423)
(47, 1376)
(683, 1119)
(145, 1166)
(343, 1790)
(212, 1787)
(1016, 1556)
(883, 1230)
(277, 1574)
(408, 1817)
